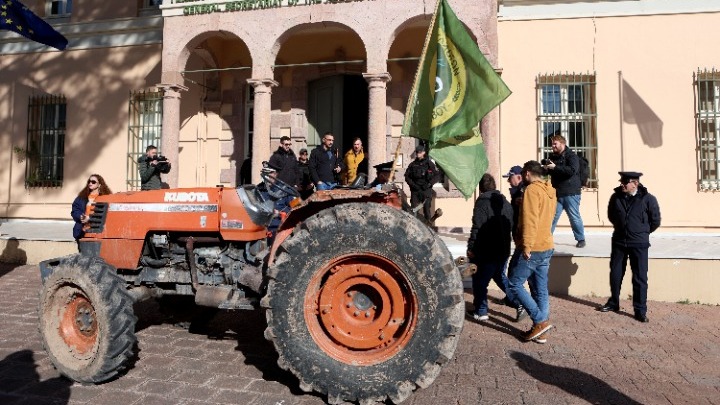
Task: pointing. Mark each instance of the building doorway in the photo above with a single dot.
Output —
(338, 104)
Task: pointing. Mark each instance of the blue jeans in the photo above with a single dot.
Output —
(514, 260)
(535, 271)
(493, 270)
(326, 186)
(571, 204)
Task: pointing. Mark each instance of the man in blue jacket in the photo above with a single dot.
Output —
(635, 214)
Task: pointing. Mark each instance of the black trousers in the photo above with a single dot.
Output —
(424, 197)
(639, 266)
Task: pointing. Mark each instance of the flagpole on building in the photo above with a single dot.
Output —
(622, 120)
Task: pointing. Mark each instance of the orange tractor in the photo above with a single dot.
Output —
(363, 301)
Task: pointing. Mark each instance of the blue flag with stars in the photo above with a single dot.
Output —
(14, 16)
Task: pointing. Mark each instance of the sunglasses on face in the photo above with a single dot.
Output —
(287, 144)
(92, 181)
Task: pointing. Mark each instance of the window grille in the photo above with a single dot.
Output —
(567, 106)
(45, 153)
(144, 128)
(59, 7)
(707, 117)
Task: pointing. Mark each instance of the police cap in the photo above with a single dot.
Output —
(384, 167)
(629, 175)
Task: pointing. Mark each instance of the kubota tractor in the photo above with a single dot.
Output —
(363, 301)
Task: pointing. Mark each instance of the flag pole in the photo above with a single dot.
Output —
(413, 91)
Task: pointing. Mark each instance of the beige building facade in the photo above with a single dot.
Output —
(212, 82)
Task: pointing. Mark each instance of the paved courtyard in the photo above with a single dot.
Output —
(590, 358)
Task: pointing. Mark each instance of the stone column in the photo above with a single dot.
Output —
(261, 124)
(490, 129)
(377, 117)
(171, 130)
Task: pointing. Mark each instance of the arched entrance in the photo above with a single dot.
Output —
(216, 111)
(338, 104)
(323, 84)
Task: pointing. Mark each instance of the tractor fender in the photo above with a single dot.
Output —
(322, 200)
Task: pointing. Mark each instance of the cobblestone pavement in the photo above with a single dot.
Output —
(590, 358)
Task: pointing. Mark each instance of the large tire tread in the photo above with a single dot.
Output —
(448, 301)
(114, 311)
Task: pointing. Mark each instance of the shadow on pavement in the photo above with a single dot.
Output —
(6, 268)
(20, 382)
(246, 327)
(575, 382)
(578, 300)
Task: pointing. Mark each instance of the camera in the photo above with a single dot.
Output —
(545, 162)
(159, 158)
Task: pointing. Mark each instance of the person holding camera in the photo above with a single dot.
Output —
(564, 168)
(150, 167)
(82, 205)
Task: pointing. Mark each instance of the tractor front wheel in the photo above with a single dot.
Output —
(86, 319)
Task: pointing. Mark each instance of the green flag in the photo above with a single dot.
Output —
(463, 160)
(454, 88)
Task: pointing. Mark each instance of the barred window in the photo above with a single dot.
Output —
(144, 129)
(567, 106)
(707, 117)
(45, 153)
(59, 7)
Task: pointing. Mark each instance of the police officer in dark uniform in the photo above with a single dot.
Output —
(382, 175)
(635, 214)
(420, 176)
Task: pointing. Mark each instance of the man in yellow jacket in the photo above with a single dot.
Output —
(535, 240)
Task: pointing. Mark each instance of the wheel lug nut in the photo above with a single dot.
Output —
(367, 314)
(356, 313)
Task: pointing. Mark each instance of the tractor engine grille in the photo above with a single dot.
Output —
(97, 218)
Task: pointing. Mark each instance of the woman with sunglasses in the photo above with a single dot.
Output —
(82, 205)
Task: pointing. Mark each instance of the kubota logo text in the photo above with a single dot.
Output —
(186, 197)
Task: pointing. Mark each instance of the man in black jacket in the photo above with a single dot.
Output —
(284, 161)
(325, 163)
(420, 176)
(150, 166)
(635, 214)
(489, 243)
(564, 168)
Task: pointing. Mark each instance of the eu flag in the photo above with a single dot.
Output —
(14, 16)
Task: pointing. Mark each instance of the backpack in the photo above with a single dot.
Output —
(584, 171)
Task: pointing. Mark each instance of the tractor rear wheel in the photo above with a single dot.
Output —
(87, 322)
(364, 303)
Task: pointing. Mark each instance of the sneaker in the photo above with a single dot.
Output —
(520, 313)
(537, 330)
(580, 244)
(542, 339)
(480, 318)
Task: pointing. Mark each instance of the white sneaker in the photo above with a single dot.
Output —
(480, 318)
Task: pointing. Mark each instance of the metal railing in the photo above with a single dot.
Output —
(707, 117)
(567, 106)
(145, 111)
(45, 150)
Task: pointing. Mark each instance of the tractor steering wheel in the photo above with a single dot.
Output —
(272, 182)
